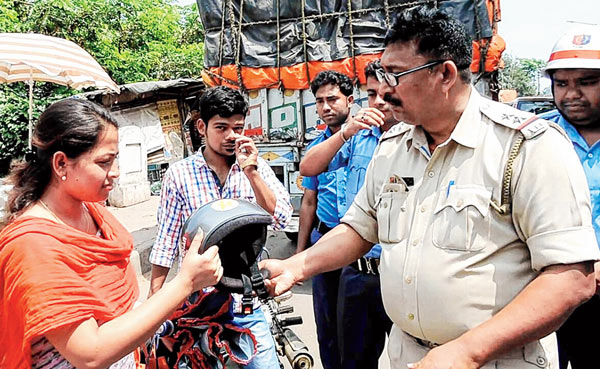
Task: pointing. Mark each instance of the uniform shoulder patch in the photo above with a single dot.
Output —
(529, 124)
(396, 130)
(533, 127)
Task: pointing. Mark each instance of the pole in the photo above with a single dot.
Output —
(30, 108)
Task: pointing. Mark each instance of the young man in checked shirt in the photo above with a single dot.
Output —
(227, 167)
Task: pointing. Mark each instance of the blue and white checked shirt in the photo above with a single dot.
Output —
(189, 184)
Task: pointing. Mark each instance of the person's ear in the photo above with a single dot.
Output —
(350, 100)
(59, 164)
(201, 127)
(449, 75)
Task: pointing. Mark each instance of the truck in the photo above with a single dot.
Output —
(272, 49)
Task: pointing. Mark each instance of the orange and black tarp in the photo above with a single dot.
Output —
(261, 44)
(294, 77)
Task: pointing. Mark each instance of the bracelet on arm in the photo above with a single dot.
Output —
(344, 139)
(248, 163)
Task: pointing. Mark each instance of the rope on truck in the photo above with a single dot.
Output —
(236, 28)
(331, 15)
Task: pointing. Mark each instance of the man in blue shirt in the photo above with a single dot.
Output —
(574, 68)
(322, 204)
(362, 321)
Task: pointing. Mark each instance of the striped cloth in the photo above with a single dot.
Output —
(25, 56)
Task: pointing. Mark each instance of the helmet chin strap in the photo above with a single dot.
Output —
(255, 283)
(247, 306)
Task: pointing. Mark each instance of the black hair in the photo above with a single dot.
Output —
(72, 126)
(372, 67)
(438, 36)
(223, 101)
(195, 136)
(330, 77)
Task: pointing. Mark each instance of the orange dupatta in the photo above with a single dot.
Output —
(52, 275)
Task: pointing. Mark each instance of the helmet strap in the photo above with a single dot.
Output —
(258, 282)
(247, 305)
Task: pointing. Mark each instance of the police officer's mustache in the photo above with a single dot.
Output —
(388, 98)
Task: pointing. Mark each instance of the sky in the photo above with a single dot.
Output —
(531, 27)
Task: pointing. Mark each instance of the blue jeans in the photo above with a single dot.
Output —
(266, 356)
(325, 303)
(362, 320)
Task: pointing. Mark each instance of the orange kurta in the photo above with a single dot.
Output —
(52, 275)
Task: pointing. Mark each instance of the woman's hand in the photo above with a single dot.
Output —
(201, 270)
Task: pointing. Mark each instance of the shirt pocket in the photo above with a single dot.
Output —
(391, 211)
(461, 219)
(356, 173)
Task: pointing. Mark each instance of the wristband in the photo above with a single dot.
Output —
(249, 162)
(344, 139)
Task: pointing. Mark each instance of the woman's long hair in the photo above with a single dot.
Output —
(72, 126)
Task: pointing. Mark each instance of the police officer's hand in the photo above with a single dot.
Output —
(364, 119)
(280, 280)
(246, 152)
(452, 355)
(201, 270)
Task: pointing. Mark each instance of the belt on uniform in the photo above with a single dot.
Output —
(367, 265)
(321, 227)
(423, 342)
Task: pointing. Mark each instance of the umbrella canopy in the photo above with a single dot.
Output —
(35, 57)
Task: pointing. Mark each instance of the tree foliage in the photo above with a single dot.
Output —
(14, 115)
(134, 40)
(522, 75)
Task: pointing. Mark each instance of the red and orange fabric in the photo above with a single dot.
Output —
(53, 276)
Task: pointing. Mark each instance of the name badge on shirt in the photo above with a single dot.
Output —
(396, 184)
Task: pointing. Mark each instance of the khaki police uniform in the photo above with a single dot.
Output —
(449, 260)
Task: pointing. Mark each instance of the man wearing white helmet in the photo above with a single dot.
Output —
(574, 68)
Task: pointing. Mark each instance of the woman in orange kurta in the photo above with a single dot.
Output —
(67, 287)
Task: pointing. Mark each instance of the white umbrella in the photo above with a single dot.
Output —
(34, 57)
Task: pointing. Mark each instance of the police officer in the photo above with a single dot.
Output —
(478, 263)
(574, 68)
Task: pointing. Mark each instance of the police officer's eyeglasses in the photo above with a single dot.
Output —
(392, 78)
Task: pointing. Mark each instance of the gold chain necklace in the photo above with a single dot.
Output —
(87, 222)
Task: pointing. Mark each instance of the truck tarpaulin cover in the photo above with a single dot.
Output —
(283, 43)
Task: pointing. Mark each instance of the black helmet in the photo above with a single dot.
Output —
(239, 228)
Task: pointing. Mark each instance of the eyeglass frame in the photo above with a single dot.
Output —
(382, 75)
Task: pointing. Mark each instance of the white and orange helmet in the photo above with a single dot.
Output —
(579, 48)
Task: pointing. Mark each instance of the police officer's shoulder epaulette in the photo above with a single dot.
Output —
(559, 129)
(528, 124)
(396, 130)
